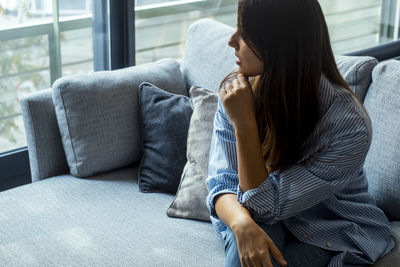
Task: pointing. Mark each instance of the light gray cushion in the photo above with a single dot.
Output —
(103, 220)
(383, 159)
(97, 114)
(357, 72)
(208, 59)
(190, 200)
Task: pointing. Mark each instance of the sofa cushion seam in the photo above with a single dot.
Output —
(68, 127)
(34, 138)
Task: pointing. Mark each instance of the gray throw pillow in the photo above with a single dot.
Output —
(97, 114)
(382, 162)
(165, 121)
(190, 200)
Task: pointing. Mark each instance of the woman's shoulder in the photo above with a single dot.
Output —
(341, 110)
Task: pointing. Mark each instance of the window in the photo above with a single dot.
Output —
(39, 43)
(161, 25)
(357, 25)
(354, 25)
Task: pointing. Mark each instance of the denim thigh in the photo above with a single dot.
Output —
(296, 253)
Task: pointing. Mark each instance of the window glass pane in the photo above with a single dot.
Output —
(20, 12)
(74, 7)
(28, 57)
(77, 51)
(161, 25)
(354, 25)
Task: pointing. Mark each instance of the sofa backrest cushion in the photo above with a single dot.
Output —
(208, 59)
(97, 114)
(357, 72)
(383, 159)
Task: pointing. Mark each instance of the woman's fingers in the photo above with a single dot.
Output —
(244, 262)
(223, 92)
(235, 84)
(228, 88)
(276, 253)
(267, 261)
(243, 80)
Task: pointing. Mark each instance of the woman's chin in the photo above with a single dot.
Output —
(246, 73)
(243, 71)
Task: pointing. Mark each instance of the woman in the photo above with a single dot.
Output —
(286, 179)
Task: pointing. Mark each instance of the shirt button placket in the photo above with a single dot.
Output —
(328, 244)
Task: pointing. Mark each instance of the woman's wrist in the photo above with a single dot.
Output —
(245, 126)
(241, 222)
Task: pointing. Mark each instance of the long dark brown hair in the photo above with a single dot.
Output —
(291, 38)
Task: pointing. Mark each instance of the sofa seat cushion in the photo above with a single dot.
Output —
(102, 220)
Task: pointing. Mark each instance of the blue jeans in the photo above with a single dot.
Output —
(296, 253)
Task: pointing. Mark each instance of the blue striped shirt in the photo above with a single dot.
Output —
(323, 198)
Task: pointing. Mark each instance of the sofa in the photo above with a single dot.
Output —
(94, 214)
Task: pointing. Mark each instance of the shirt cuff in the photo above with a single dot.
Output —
(262, 201)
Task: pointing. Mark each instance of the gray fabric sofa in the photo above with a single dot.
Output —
(104, 220)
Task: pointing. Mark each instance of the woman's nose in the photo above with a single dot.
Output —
(232, 41)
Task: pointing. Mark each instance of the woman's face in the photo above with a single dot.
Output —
(249, 64)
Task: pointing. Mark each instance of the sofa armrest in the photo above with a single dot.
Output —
(46, 152)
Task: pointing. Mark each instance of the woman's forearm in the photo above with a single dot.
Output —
(229, 211)
(251, 167)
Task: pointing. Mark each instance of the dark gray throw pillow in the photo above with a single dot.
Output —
(165, 121)
(190, 200)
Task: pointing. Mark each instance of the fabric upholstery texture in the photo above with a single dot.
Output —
(46, 153)
(190, 200)
(97, 114)
(165, 121)
(382, 163)
(357, 72)
(103, 220)
(207, 57)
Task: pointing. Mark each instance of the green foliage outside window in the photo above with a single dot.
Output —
(19, 61)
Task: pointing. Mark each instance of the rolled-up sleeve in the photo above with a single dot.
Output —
(222, 168)
(305, 184)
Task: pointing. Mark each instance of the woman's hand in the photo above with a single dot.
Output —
(254, 245)
(238, 101)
